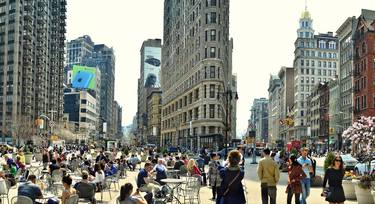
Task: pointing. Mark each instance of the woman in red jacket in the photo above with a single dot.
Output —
(193, 169)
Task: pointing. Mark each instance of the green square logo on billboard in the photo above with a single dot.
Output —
(152, 64)
(84, 77)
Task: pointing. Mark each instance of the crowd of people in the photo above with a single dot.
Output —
(224, 175)
(300, 170)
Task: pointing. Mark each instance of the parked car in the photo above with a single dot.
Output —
(363, 167)
(349, 161)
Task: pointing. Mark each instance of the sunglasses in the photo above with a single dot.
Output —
(339, 160)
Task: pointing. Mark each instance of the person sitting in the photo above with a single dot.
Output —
(161, 171)
(9, 161)
(85, 189)
(30, 189)
(178, 163)
(111, 170)
(19, 164)
(68, 190)
(126, 196)
(99, 176)
(145, 181)
(193, 169)
(53, 166)
(134, 160)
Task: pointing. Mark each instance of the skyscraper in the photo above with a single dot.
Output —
(315, 61)
(149, 80)
(103, 58)
(32, 34)
(196, 71)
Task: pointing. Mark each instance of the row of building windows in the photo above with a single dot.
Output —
(322, 44)
(192, 97)
(207, 111)
(211, 72)
(312, 53)
(306, 63)
(320, 72)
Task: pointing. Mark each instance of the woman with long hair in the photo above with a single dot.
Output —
(193, 169)
(334, 175)
(295, 175)
(126, 196)
(231, 189)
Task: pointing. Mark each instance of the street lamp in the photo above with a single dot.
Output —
(229, 95)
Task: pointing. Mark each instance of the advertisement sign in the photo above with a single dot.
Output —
(152, 65)
(84, 77)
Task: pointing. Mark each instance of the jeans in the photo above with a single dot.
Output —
(305, 190)
(214, 191)
(268, 191)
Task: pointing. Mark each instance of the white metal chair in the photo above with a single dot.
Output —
(5, 192)
(21, 200)
(190, 190)
(106, 186)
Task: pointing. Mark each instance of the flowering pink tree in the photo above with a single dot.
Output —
(362, 135)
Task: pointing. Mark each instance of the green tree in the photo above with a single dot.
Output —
(328, 161)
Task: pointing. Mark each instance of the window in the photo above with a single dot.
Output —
(302, 113)
(307, 71)
(312, 71)
(83, 101)
(307, 63)
(302, 62)
(322, 44)
(373, 99)
(324, 64)
(319, 64)
(83, 110)
(334, 65)
(329, 65)
(211, 17)
(312, 80)
(212, 111)
(212, 71)
(302, 79)
(302, 70)
(313, 63)
(206, 35)
(324, 73)
(205, 91)
(324, 55)
(83, 119)
(319, 54)
(212, 91)
(204, 111)
(213, 35)
(212, 52)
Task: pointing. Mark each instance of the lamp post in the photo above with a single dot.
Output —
(229, 95)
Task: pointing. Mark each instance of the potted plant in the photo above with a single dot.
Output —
(28, 155)
(328, 161)
(363, 188)
(348, 185)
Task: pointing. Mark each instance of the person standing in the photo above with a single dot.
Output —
(307, 168)
(295, 175)
(214, 174)
(334, 176)
(231, 190)
(269, 175)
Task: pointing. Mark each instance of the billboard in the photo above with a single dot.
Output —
(84, 77)
(151, 65)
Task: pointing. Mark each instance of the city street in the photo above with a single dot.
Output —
(251, 181)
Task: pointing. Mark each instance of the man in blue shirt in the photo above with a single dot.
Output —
(145, 181)
(307, 168)
(30, 189)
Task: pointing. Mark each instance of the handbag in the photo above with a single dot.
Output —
(222, 199)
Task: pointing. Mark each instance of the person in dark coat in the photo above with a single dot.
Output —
(295, 175)
(231, 189)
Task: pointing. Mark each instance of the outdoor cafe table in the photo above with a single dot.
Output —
(45, 198)
(173, 184)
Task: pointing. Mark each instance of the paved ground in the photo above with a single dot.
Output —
(251, 181)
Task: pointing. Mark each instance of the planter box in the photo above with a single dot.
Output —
(349, 190)
(28, 158)
(363, 195)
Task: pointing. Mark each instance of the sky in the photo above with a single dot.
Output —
(263, 31)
